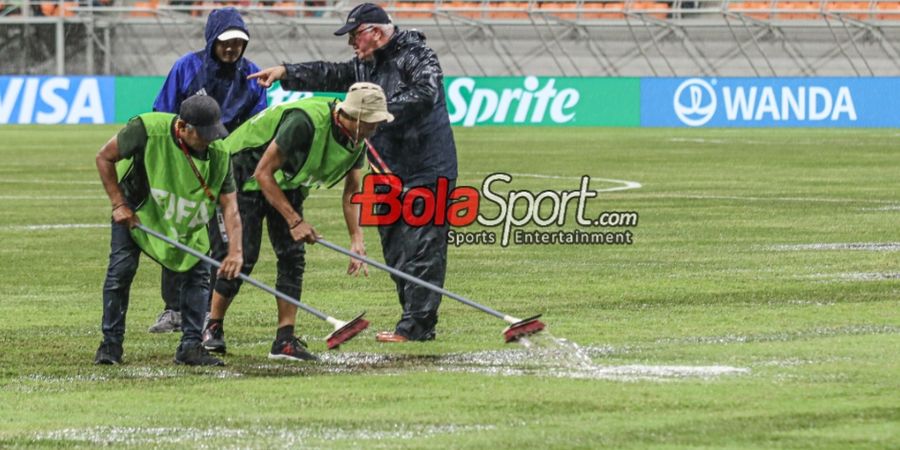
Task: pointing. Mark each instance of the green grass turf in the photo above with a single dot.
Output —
(714, 278)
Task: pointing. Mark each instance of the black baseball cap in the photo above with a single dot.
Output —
(202, 112)
(364, 13)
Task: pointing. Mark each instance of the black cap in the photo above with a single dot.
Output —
(364, 13)
(202, 112)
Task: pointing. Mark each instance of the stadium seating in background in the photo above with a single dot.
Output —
(851, 10)
(811, 11)
(525, 11)
(797, 10)
(749, 9)
(49, 9)
(288, 9)
(643, 7)
(413, 10)
(511, 10)
(203, 8)
(893, 8)
(145, 8)
(611, 10)
(559, 10)
(508, 10)
(469, 10)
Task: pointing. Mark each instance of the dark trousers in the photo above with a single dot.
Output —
(422, 253)
(290, 254)
(192, 289)
(170, 288)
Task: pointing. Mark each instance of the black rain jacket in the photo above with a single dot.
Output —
(418, 145)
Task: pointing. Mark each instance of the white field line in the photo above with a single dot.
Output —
(864, 246)
(883, 208)
(855, 276)
(699, 140)
(39, 382)
(626, 185)
(849, 140)
(53, 226)
(20, 181)
(52, 197)
(260, 437)
(629, 373)
(785, 336)
(767, 199)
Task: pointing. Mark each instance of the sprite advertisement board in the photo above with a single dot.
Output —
(543, 101)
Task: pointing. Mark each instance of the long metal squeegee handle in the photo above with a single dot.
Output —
(418, 281)
(246, 278)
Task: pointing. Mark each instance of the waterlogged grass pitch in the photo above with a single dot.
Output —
(755, 307)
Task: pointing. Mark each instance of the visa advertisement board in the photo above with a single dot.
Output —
(52, 100)
(770, 102)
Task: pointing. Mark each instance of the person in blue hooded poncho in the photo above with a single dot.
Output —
(220, 71)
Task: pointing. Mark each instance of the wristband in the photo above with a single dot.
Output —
(118, 206)
(298, 222)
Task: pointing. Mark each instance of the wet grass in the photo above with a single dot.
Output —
(757, 309)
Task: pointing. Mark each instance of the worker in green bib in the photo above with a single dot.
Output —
(161, 171)
(278, 155)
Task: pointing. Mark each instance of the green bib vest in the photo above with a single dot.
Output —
(176, 205)
(327, 161)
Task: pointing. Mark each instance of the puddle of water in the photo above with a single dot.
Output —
(541, 355)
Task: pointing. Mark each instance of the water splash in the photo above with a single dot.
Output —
(554, 351)
(563, 351)
(544, 354)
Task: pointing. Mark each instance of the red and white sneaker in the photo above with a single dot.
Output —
(292, 349)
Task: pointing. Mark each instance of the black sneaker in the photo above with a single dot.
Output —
(108, 354)
(196, 355)
(292, 349)
(214, 338)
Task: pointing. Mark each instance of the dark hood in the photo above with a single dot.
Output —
(227, 83)
(220, 21)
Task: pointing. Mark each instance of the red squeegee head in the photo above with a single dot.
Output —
(523, 328)
(346, 332)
